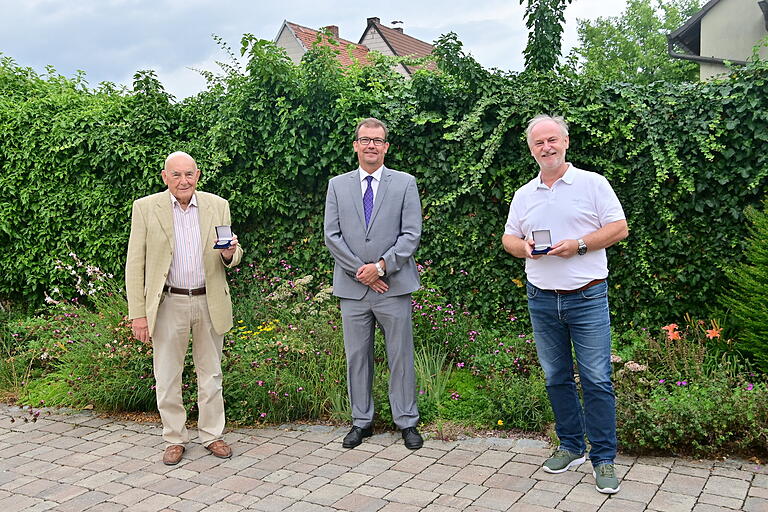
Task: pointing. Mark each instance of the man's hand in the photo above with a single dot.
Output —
(229, 252)
(565, 248)
(379, 286)
(519, 247)
(140, 329)
(367, 274)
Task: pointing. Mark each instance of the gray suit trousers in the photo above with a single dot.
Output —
(359, 319)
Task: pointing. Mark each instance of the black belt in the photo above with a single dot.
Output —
(588, 285)
(185, 291)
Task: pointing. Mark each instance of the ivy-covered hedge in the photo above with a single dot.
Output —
(685, 160)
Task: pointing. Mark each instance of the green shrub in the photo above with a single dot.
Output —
(748, 293)
(702, 419)
(270, 136)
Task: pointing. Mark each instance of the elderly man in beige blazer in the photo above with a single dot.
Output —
(175, 282)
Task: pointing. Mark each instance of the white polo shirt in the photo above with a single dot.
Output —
(579, 203)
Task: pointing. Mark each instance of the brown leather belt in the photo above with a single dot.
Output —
(588, 285)
(185, 291)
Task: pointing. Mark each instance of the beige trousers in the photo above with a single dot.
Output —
(176, 316)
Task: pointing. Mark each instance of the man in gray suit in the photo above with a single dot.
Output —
(372, 228)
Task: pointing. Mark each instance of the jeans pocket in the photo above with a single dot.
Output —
(599, 291)
(531, 290)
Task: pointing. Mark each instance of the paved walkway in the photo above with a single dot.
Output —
(79, 461)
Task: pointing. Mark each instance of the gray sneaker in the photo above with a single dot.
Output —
(561, 460)
(605, 478)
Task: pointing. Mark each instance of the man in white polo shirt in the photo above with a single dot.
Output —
(568, 294)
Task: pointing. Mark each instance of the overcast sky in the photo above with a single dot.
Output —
(111, 39)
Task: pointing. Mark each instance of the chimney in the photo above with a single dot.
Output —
(333, 29)
(399, 29)
(374, 20)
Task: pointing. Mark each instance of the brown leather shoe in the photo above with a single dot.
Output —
(172, 455)
(220, 449)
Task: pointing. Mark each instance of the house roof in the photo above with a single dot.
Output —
(308, 36)
(688, 36)
(400, 43)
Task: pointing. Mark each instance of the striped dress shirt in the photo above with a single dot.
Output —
(187, 269)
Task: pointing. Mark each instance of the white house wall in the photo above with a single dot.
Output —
(729, 31)
(287, 40)
(375, 42)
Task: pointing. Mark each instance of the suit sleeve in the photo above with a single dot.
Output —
(134, 265)
(334, 239)
(239, 249)
(410, 231)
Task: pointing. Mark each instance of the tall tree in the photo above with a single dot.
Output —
(544, 19)
(632, 47)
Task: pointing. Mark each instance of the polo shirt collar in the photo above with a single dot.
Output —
(567, 178)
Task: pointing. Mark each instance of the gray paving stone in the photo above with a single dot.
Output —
(615, 504)
(671, 502)
(683, 484)
(720, 501)
(453, 502)
(327, 494)
(273, 503)
(728, 487)
(355, 502)
(154, 503)
(541, 498)
(205, 494)
(471, 491)
(473, 474)
(83, 501)
(755, 505)
(498, 499)
(413, 497)
(648, 474)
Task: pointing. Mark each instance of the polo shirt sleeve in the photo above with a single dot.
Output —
(608, 206)
(514, 219)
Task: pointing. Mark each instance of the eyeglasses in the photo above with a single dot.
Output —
(367, 140)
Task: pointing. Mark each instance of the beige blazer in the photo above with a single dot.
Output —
(150, 250)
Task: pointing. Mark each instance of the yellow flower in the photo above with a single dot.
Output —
(500, 423)
(518, 283)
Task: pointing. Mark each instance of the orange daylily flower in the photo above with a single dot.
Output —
(673, 335)
(714, 333)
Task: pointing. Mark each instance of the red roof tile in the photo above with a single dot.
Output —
(308, 36)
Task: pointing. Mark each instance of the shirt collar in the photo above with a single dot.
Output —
(567, 177)
(192, 202)
(376, 174)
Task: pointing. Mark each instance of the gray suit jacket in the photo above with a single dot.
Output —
(393, 233)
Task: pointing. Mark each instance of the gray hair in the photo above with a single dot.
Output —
(559, 120)
(372, 122)
(174, 155)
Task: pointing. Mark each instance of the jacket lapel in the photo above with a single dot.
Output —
(205, 218)
(164, 213)
(356, 195)
(386, 177)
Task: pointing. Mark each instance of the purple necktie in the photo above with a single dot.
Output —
(368, 201)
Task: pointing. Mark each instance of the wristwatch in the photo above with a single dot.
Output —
(379, 269)
(582, 247)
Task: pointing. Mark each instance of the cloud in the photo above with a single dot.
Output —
(111, 39)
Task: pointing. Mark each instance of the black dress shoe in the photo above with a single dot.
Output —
(412, 438)
(355, 436)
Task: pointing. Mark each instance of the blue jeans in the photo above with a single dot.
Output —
(581, 319)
